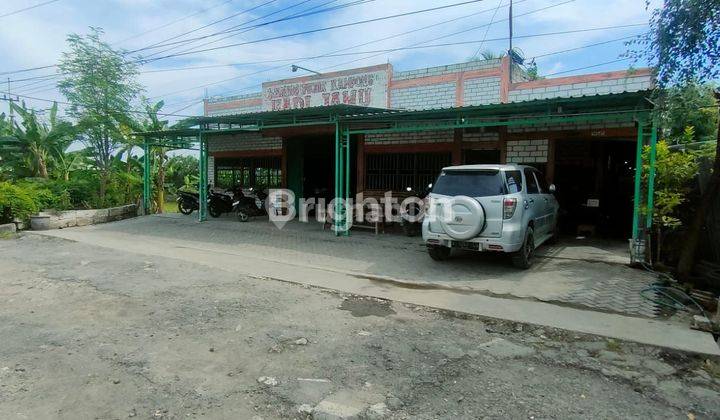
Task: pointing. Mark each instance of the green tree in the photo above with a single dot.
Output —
(683, 46)
(151, 122)
(37, 141)
(674, 170)
(8, 152)
(691, 106)
(100, 85)
(159, 153)
(180, 169)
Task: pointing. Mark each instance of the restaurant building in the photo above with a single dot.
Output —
(410, 124)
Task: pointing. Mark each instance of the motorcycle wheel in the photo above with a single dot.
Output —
(184, 210)
(214, 211)
(242, 216)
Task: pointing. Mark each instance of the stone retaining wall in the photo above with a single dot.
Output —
(71, 218)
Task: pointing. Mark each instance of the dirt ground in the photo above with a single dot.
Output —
(88, 332)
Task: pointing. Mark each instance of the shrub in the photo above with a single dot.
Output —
(15, 203)
(47, 194)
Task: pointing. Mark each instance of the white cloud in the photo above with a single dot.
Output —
(37, 37)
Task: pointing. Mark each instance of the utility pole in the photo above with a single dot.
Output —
(10, 101)
(510, 23)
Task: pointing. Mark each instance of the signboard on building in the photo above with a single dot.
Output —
(366, 86)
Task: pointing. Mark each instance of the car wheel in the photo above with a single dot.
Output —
(184, 210)
(438, 252)
(524, 256)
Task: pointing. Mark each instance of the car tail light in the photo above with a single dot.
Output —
(509, 205)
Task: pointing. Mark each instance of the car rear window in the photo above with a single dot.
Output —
(473, 183)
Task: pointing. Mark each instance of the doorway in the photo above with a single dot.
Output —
(594, 182)
(318, 167)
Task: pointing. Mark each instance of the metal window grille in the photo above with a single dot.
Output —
(397, 171)
(260, 172)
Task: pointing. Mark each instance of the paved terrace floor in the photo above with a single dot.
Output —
(577, 273)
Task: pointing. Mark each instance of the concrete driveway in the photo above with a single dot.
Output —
(578, 273)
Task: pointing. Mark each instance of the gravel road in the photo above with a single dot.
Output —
(89, 332)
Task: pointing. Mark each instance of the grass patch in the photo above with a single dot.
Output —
(170, 207)
(613, 345)
(7, 236)
(712, 368)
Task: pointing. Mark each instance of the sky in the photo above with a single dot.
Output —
(36, 37)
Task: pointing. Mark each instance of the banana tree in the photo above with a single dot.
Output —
(35, 139)
(152, 122)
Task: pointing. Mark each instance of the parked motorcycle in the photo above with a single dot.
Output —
(247, 206)
(222, 203)
(188, 202)
(415, 227)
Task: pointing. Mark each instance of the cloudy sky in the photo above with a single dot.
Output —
(36, 37)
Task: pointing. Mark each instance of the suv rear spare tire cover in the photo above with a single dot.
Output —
(465, 219)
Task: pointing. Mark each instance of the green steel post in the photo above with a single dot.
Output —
(203, 184)
(147, 199)
(638, 180)
(337, 177)
(651, 177)
(346, 226)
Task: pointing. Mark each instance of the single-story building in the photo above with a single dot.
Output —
(374, 129)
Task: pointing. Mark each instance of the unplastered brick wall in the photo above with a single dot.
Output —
(243, 141)
(558, 127)
(481, 91)
(415, 137)
(601, 87)
(232, 105)
(480, 136)
(441, 95)
(527, 151)
(450, 68)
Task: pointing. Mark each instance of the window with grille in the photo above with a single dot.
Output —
(397, 171)
(260, 172)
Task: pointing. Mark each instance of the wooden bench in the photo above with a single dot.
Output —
(374, 215)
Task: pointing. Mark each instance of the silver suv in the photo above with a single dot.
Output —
(502, 208)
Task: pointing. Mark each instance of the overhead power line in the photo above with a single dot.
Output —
(312, 31)
(241, 28)
(244, 29)
(588, 67)
(157, 28)
(186, 42)
(488, 28)
(199, 28)
(7, 96)
(14, 12)
(349, 48)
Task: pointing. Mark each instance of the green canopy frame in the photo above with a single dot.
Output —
(349, 120)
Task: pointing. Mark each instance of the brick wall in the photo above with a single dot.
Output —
(600, 87)
(480, 137)
(439, 136)
(527, 151)
(481, 91)
(243, 141)
(441, 95)
(558, 127)
(230, 105)
(450, 68)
